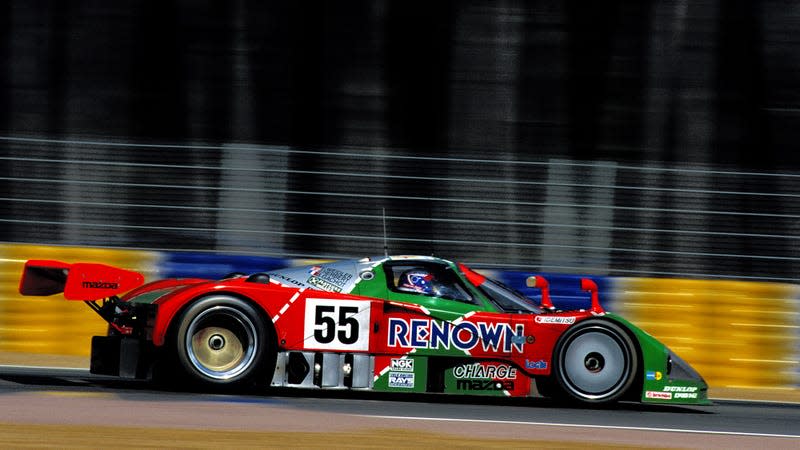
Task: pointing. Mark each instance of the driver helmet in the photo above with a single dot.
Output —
(416, 280)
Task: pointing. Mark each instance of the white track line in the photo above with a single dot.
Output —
(80, 371)
(574, 425)
(40, 368)
(743, 400)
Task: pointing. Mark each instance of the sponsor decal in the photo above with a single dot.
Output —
(314, 270)
(402, 364)
(327, 277)
(680, 389)
(99, 285)
(434, 334)
(478, 370)
(658, 395)
(324, 285)
(685, 395)
(401, 380)
(485, 385)
(555, 319)
(654, 375)
(537, 365)
(289, 280)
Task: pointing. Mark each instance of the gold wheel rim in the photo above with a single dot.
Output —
(217, 349)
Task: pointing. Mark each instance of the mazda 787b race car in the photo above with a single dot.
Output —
(389, 324)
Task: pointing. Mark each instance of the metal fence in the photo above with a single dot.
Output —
(598, 217)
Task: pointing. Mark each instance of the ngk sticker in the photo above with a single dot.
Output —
(403, 364)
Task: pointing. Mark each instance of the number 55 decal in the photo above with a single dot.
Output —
(337, 324)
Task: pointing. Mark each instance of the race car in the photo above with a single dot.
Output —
(389, 324)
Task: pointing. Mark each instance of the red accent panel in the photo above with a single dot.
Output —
(474, 277)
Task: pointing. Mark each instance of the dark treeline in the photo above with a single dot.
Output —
(706, 84)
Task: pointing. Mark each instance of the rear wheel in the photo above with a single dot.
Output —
(223, 341)
(595, 362)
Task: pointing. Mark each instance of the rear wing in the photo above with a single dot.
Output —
(79, 281)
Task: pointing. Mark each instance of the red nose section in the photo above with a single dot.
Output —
(79, 281)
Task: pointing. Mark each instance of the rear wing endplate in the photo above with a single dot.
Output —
(79, 281)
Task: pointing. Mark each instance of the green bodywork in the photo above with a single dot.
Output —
(655, 374)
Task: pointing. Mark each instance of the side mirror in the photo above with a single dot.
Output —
(591, 286)
(540, 282)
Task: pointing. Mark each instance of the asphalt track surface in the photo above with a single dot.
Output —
(55, 400)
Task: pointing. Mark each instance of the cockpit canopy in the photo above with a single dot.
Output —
(422, 276)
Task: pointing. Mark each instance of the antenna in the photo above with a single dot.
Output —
(385, 242)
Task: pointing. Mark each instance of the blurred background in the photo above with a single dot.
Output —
(651, 142)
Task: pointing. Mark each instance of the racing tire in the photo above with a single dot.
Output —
(595, 362)
(224, 342)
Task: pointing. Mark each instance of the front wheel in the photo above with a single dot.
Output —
(595, 362)
(222, 341)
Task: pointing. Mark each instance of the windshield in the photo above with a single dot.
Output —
(509, 300)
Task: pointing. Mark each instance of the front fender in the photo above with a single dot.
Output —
(666, 378)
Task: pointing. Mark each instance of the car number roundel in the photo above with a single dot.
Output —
(337, 324)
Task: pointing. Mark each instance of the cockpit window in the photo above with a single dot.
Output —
(428, 280)
(508, 299)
